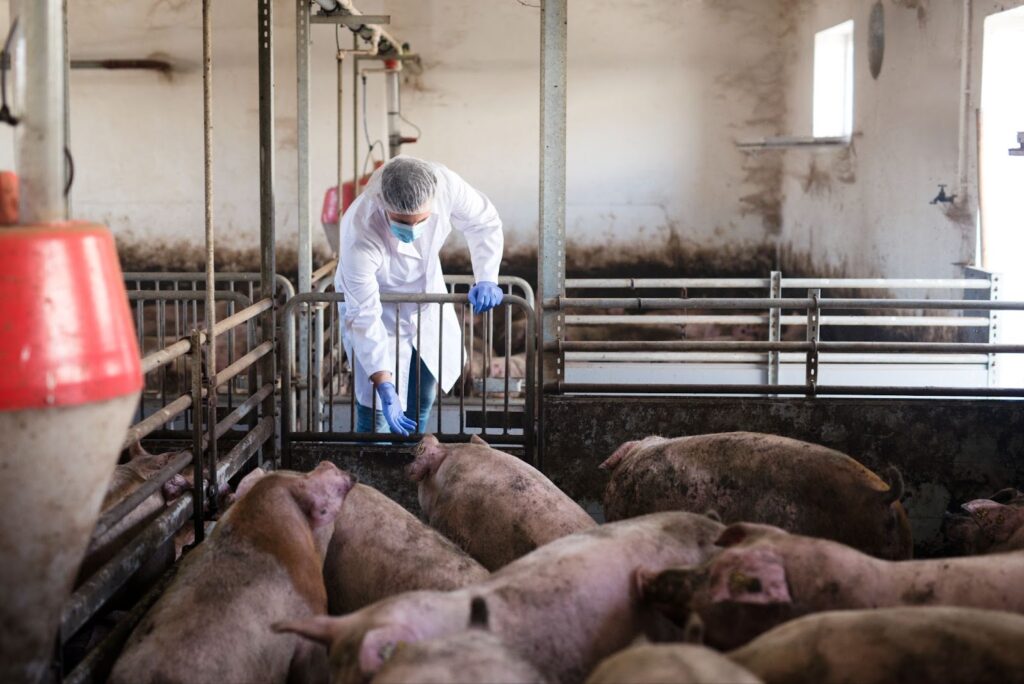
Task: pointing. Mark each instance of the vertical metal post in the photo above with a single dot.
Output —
(355, 118)
(211, 284)
(40, 136)
(774, 328)
(305, 255)
(993, 331)
(316, 379)
(268, 371)
(551, 254)
(196, 339)
(341, 136)
(66, 69)
(813, 336)
(392, 84)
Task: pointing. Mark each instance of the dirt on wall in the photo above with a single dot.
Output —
(763, 83)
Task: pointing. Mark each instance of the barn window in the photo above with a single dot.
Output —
(833, 82)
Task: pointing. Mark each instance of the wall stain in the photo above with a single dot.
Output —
(173, 256)
(766, 80)
(920, 5)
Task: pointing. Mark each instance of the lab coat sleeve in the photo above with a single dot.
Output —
(357, 275)
(476, 217)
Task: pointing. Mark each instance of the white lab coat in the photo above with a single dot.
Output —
(371, 262)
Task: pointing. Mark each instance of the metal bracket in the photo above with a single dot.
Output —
(352, 21)
(774, 328)
(993, 330)
(1018, 151)
(813, 336)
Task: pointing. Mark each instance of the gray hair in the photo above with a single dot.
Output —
(407, 185)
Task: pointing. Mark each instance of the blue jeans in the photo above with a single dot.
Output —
(368, 420)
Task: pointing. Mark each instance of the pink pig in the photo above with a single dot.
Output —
(765, 576)
(495, 506)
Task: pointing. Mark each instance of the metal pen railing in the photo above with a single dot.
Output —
(812, 307)
(775, 285)
(496, 417)
(158, 320)
(325, 352)
(208, 470)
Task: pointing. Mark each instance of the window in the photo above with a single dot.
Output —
(833, 82)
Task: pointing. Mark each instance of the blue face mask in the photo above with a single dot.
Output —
(406, 233)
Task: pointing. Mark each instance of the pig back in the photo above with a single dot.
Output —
(497, 507)
(803, 488)
(573, 602)
(379, 549)
(212, 622)
(669, 664)
(470, 657)
(879, 646)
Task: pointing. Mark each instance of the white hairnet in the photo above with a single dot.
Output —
(407, 185)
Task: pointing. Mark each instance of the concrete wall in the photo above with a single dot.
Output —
(865, 209)
(659, 91)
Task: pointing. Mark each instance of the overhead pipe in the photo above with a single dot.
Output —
(386, 44)
(40, 135)
(966, 44)
(392, 83)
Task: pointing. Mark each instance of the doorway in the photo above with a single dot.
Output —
(1002, 177)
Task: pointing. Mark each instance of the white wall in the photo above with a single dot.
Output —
(659, 89)
(865, 209)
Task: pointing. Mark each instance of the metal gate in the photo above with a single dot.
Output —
(318, 396)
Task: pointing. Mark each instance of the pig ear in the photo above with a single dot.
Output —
(136, 450)
(380, 643)
(737, 533)
(613, 461)
(320, 628)
(477, 439)
(321, 492)
(248, 481)
(1007, 495)
(757, 576)
(429, 455)
(998, 521)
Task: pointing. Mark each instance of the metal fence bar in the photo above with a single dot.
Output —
(235, 369)
(96, 665)
(147, 489)
(165, 356)
(104, 583)
(655, 304)
(370, 438)
(832, 347)
(157, 419)
(755, 319)
(289, 346)
(757, 390)
(774, 328)
(758, 283)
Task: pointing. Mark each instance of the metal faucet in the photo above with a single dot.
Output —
(943, 197)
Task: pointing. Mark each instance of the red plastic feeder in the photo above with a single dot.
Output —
(70, 379)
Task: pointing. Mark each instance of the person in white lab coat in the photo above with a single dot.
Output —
(390, 242)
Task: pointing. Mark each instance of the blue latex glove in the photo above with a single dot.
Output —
(392, 410)
(485, 296)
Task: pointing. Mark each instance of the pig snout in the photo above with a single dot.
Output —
(175, 487)
(322, 492)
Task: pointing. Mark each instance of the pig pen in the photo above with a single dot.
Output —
(948, 451)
